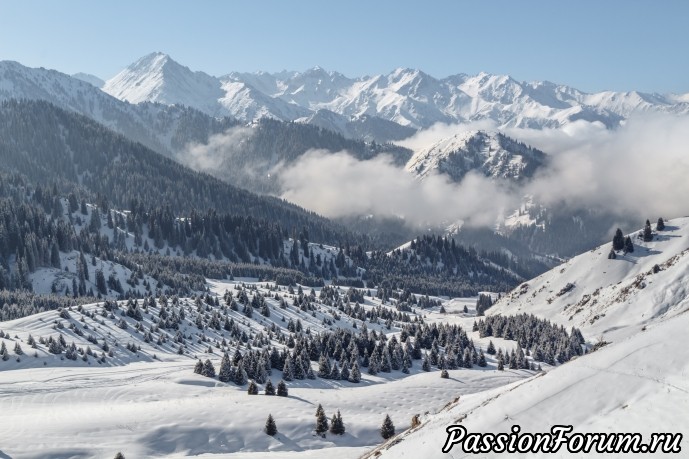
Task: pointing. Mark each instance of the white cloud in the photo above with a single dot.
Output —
(338, 185)
(640, 169)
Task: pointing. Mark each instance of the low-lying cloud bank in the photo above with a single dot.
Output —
(640, 169)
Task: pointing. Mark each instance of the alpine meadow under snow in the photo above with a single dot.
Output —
(301, 264)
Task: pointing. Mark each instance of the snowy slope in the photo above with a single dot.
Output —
(635, 383)
(408, 97)
(148, 402)
(157, 78)
(155, 125)
(612, 298)
(489, 153)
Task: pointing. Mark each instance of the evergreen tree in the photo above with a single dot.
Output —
(270, 389)
(282, 389)
(355, 373)
(426, 366)
(119, 456)
(198, 368)
(321, 420)
(612, 255)
(491, 348)
(287, 371)
(387, 430)
(337, 425)
(660, 226)
(101, 285)
(270, 428)
(240, 376)
(253, 389)
(628, 245)
(225, 371)
(444, 374)
(648, 232)
(482, 360)
(324, 369)
(208, 369)
(618, 240)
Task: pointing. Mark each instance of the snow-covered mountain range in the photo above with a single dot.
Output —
(407, 97)
(163, 128)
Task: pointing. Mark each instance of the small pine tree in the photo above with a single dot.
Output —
(321, 420)
(270, 389)
(648, 232)
(628, 245)
(387, 430)
(501, 363)
(253, 388)
(198, 368)
(618, 240)
(271, 428)
(208, 369)
(225, 372)
(282, 389)
(444, 374)
(482, 359)
(612, 255)
(426, 366)
(660, 226)
(491, 348)
(337, 425)
(119, 456)
(355, 373)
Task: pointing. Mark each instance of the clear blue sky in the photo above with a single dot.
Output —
(592, 45)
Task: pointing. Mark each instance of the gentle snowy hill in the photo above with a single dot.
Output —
(490, 153)
(633, 309)
(128, 383)
(636, 385)
(408, 97)
(609, 298)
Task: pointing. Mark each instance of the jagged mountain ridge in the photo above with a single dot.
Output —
(407, 97)
(490, 153)
(163, 128)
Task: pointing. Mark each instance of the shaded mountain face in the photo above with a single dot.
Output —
(50, 145)
(163, 128)
(407, 97)
(254, 156)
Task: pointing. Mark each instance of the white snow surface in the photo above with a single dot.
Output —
(149, 403)
(636, 383)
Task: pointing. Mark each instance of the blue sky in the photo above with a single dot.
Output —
(592, 45)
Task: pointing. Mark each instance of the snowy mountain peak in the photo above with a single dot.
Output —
(491, 153)
(408, 97)
(156, 77)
